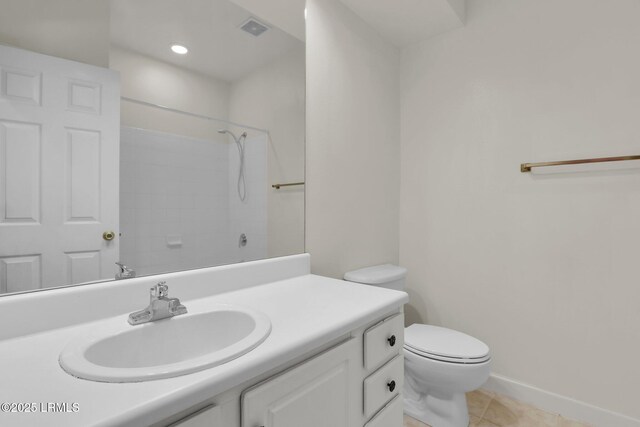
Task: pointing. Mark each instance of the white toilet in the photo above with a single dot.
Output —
(441, 364)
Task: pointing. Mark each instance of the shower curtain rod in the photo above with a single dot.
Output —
(186, 113)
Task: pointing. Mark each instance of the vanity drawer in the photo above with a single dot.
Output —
(383, 341)
(383, 385)
(390, 415)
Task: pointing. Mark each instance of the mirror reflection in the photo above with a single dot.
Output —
(145, 136)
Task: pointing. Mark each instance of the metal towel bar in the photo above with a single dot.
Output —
(526, 167)
(291, 184)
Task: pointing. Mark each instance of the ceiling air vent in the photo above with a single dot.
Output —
(254, 27)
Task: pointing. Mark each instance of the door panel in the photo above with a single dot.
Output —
(23, 270)
(20, 85)
(20, 161)
(83, 266)
(83, 175)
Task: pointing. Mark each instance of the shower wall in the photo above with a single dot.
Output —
(174, 209)
(179, 202)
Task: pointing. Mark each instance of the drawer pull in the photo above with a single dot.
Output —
(392, 386)
(392, 340)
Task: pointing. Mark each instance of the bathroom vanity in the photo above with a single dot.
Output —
(330, 388)
(332, 356)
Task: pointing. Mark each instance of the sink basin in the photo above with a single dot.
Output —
(165, 348)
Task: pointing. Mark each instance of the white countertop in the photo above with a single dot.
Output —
(306, 312)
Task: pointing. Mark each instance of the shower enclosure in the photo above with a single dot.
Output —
(187, 202)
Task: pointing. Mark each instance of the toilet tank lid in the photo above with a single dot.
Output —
(377, 274)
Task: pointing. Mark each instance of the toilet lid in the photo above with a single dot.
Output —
(445, 344)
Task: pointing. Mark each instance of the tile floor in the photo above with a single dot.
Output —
(488, 409)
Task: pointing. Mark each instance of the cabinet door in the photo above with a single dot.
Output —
(313, 394)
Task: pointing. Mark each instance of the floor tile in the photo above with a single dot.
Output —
(505, 412)
(474, 421)
(487, 409)
(564, 422)
(410, 422)
(477, 401)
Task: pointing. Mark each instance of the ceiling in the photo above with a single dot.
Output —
(286, 14)
(218, 48)
(401, 22)
(209, 28)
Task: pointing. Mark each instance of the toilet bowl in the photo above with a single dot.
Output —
(441, 364)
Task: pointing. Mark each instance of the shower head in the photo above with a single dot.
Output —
(223, 131)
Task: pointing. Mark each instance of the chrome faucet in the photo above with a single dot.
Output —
(125, 272)
(160, 306)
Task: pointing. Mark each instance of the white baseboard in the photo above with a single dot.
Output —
(557, 404)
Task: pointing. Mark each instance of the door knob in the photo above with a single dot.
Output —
(108, 235)
(391, 386)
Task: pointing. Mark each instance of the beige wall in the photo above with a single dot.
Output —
(353, 148)
(70, 29)
(147, 79)
(273, 98)
(541, 267)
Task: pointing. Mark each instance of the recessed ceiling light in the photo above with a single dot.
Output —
(179, 49)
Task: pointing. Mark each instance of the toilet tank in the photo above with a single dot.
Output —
(385, 276)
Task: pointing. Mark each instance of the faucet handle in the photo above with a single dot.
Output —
(125, 272)
(160, 290)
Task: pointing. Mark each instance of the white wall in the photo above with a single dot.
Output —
(353, 150)
(147, 79)
(77, 30)
(542, 268)
(273, 98)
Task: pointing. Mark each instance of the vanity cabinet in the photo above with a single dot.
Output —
(356, 382)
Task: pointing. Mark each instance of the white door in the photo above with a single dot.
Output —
(59, 157)
(314, 394)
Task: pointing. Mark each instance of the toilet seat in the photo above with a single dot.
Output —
(445, 345)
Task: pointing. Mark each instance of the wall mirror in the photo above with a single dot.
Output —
(145, 132)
